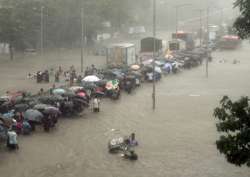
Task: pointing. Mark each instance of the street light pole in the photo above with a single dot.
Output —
(42, 29)
(154, 53)
(207, 42)
(222, 17)
(200, 27)
(82, 37)
(176, 22)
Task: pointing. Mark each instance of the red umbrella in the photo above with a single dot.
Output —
(81, 94)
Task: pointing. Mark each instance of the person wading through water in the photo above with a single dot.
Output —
(96, 104)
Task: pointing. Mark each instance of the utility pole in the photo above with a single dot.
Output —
(42, 29)
(82, 37)
(176, 21)
(200, 27)
(154, 53)
(207, 42)
(222, 17)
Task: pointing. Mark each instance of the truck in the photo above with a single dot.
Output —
(149, 45)
(121, 54)
(188, 38)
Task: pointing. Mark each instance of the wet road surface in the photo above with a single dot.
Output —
(177, 139)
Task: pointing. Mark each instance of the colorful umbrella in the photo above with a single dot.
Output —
(81, 94)
(111, 85)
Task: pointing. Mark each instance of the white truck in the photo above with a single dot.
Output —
(121, 54)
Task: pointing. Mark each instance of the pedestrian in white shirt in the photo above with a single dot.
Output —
(96, 104)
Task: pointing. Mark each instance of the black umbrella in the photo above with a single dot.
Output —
(52, 110)
(69, 94)
(21, 107)
(50, 99)
(33, 115)
(41, 106)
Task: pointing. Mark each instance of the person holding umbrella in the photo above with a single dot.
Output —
(12, 143)
(96, 104)
(26, 128)
(57, 74)
(47, 122)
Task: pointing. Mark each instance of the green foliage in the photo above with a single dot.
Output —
(21, 19)
(242, 23)
(234, 124)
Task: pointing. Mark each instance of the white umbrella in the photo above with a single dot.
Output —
(158, 63)
(135, 67)
(75, 88)
(91, 78)
(147, 62)
(158, 69)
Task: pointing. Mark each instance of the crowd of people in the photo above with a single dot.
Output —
(21, 112)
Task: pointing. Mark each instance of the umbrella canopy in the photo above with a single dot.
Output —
(135, 67)
(148, 62)
(21, 107)
(159, 63)
(5, 98)
(41, 106)
(112, 85)
(8, 115)
(48, 99)
(158, 69)
(91, 78)
(81, 94)
(59, 91)
(136, 73)
(76, 88)
(52, 110)
(69, 94)
(117, 73)
(18, 99)
(89, 85)
(33, 115)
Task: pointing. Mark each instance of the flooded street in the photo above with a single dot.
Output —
(175, 140)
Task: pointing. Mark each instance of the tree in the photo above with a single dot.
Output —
(234, 124)
(19, 23)
(242, 23)
(21, 20)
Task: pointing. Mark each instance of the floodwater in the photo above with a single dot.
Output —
(177, 139)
